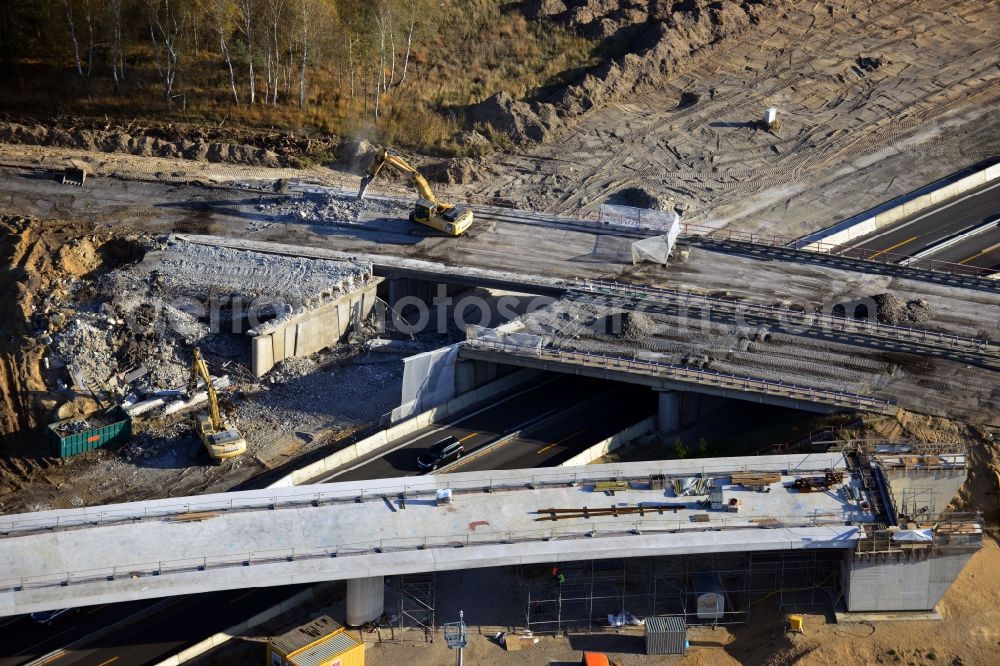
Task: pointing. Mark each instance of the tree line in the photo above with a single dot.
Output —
(247, 53)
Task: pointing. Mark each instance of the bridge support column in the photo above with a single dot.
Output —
(668, 414)
(365, 600)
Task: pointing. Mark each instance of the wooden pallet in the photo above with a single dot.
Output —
(755, 478)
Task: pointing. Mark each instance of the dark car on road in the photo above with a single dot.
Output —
(447, 450)
(48, 617)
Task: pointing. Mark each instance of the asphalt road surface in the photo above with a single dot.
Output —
(555, 418)
(918, 232)
(147, 631)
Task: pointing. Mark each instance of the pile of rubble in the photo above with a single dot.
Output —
(893, 310)
(135, 342)
(330, 209)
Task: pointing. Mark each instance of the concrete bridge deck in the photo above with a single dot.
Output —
(364, 529)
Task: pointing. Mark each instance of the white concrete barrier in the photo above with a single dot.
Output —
(404, 428)
(616, 441)
(212, 642)
(888, 213)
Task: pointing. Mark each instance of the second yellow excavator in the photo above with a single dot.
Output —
(221, 438)
(445, 217)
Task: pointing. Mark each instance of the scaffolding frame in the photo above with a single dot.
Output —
(415, 602)
(594, 589)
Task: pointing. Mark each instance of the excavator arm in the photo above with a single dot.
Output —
(385, 157)
(429, 210)
(200, 370)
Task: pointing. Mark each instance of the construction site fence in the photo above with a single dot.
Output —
(587, 530)
(689, 375)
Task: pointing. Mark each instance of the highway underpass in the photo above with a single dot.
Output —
(557, 417)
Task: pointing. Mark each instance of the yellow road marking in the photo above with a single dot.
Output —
(468, 437)
(979, 254)
(242, 596)
(90, 612)
(544, 449)
(890, 249)
(53, 659)
(109, 661)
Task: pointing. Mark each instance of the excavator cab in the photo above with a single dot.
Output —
(423, 211)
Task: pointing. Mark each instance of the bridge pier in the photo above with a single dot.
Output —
(365, 600)
(668, 413)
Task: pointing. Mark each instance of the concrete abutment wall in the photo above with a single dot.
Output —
(310, 331)
(899, 582)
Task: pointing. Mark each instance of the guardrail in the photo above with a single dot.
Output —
(789, 243)
(271, 499)
(793, 317)
(688, 375)
(590, 529)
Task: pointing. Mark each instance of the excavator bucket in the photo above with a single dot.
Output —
(365, 182)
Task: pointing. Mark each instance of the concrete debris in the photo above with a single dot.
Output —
(384, 346)
(292, 368)
(330, 208)
(187, 269)
(220, 383)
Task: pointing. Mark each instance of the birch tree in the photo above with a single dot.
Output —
(306, 11)
(117, 48)
(165, 28)
(74, 37)
(275, 15)
(247, 13)
(222, 12)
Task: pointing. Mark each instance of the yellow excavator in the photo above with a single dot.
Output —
(445, 217)
(220, 438)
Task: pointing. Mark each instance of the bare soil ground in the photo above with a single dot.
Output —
(874, 98)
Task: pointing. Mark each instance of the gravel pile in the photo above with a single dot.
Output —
(893, 310)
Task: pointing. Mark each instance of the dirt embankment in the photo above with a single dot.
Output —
(645, 43)
(220, 145)
(45, 261)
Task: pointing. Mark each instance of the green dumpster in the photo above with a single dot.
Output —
(72, 436)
